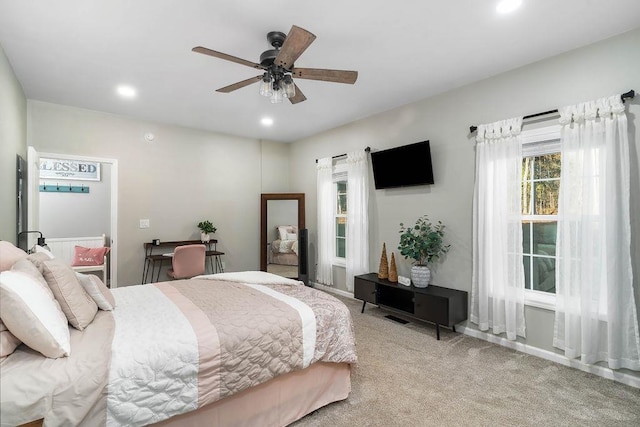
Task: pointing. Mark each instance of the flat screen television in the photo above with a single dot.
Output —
(402, 166)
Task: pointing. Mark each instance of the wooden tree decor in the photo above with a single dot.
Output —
(393, 271)
(383, 271)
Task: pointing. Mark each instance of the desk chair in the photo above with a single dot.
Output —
(187, 261)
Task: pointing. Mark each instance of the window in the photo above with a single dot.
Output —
(340, 220)
(541, 166)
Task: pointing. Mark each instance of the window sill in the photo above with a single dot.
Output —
(541, 300)
(337, 262)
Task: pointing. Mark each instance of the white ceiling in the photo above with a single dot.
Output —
(75, 52)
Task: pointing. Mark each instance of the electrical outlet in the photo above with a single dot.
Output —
(144, 223)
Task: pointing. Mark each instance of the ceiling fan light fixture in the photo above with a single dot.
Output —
(277, 96)
(277, 64)
(265, 85)
(288, 86)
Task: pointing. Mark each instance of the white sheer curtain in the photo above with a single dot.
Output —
(596, 316)
(497, 294)
(357, 215)
(324, 275)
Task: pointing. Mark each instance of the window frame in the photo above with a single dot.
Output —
(339, 175)
(536, 142)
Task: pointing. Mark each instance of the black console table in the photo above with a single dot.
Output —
(435, 304)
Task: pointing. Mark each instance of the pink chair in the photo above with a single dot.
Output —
(187, 261)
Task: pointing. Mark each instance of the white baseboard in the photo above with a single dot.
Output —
(333, 290)
(601, 371)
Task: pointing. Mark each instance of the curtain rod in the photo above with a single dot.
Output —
(624, 97)
(368, 149)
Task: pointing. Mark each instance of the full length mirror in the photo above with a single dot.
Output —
(281, 219)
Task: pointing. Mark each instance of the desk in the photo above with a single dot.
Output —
(153, 255)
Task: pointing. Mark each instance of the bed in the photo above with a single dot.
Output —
(283, 250)
(246, 348)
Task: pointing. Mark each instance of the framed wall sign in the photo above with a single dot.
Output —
(79, 170)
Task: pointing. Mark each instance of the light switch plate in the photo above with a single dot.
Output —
(144, 223)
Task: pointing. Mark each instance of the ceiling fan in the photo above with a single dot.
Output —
(278, 64)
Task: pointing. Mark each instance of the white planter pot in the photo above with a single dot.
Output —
(420, 276)
(205, 237)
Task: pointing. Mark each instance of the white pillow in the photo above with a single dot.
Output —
(8, 341)
(283, 230)
(97, 290)
(47, 252)
(292, 236)
(9, 254)
(32, 315)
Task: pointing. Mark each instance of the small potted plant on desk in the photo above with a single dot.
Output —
(206, 230)
(423, 243)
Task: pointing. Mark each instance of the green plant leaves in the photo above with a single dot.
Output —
(206, 227)
(423, 242)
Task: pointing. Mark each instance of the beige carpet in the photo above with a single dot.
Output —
(405, 377)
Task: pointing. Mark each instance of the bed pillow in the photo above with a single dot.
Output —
(75, 302)
(38, 259)
(27, 267)
(45, 251)
(9, 254)
(89, 256)
(8, 341)
(292, 236)
(283, 230)
(97, 290)
(32, 315)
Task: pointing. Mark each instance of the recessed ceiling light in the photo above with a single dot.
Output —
(266, 121)
(126, 91)
(508, 6)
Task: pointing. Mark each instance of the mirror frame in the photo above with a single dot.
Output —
(264, 198)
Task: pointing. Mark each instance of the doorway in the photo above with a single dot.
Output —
(62, 213)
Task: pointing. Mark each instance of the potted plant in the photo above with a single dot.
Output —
(424, 244)
(206, 229)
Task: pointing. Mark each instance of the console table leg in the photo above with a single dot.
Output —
(438, 331)
(363, 304)
(454, 328)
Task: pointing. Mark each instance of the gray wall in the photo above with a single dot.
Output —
(602, 69)
(275, 167)
(13, 141)
(184, 176)
(77, 214)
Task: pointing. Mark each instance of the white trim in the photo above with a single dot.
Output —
(548, 133)
(113, 233)
(331, 290)
(537, 142)
(539, 299)
(600, 371)
(339, 262)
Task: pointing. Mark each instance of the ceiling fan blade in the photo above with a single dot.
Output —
(205, 51)
(299, 97)
(336, 76)
(239, 85)
(297, 41)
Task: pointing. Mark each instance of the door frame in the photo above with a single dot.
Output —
(33, 167)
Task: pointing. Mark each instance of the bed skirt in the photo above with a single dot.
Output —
(277, 402)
